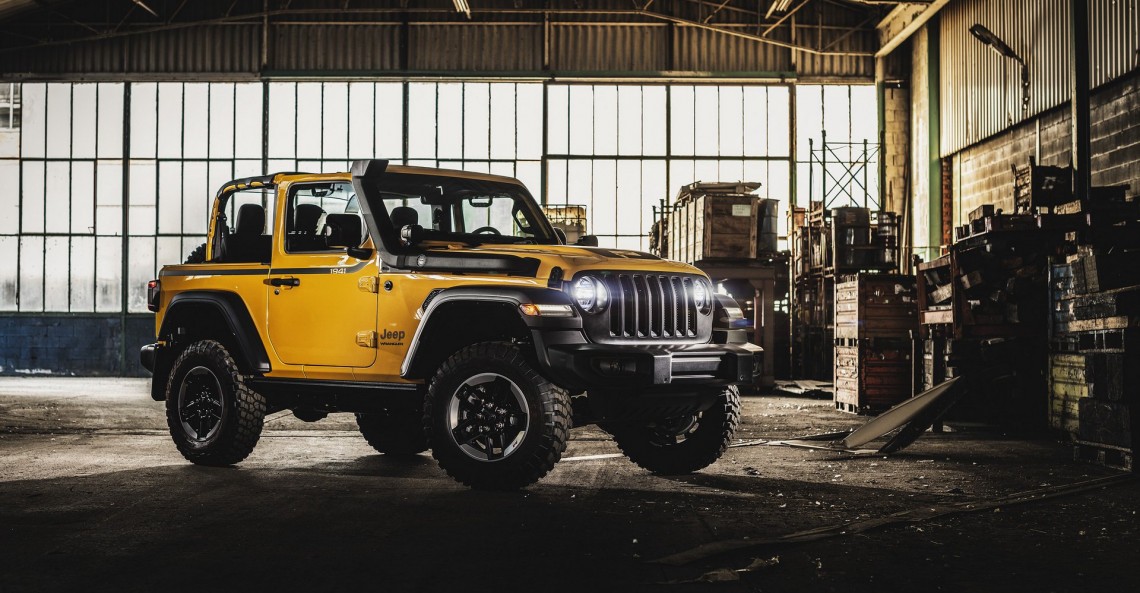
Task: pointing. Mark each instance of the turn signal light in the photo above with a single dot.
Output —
(153, 295)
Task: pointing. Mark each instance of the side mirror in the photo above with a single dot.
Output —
(588, 241)
(561, 234)
(343, 230)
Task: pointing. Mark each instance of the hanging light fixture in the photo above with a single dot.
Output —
(981, 33)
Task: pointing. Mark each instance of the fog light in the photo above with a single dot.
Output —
(613, 367)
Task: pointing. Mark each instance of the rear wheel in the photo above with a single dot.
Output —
(393, 432)
(492, 421)
(213, 417)
(683, 444)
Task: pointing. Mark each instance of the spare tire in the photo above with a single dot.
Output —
(198, 256)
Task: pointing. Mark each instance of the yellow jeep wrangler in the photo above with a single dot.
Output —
(443, 309)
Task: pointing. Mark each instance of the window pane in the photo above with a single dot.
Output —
(629, 120)
(681, 119)
(361, 110)
(503, 121)
(56, 258)
(558, 108)
(450, 121)
(31, 273)
(169, 198)
(58, 120)
(530, 173)
(108, 274)
(9, 272)
(653, 191)
(170, 120)
(221, 120)
(109, 198)
(421, 120)
(335, 119)
(282, 120)
(82, 274)
(110, 124)
(602, 200)
(605, 120)
(140, 270)
(629, 196)
(57, 190)
(142, 197)
(755, 121)
(196, 120)
(529, 127)
(83, 197)
(33, 126)
(83, 119)
(10, 200)
(581, 120)
(779, 121)
(196, 199)
(555, 182)
(247, 120)
(476, 117)
(731, 130)
(653, 120)
(144, 119)
(390, 121)
(705, 125)
(32, 198)
(309, 120)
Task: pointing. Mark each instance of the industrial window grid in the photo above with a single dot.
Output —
(115, 179)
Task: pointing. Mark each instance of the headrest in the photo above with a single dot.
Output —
(306, 217)
(250, 220)
(402, 216)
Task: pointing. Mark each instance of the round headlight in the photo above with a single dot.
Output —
(590, 294)
(702, 298)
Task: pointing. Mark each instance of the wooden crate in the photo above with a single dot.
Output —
(873, 375)
(1068, 385)
(876, 305)
(721, 221)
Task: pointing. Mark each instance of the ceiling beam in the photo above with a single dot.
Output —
(902, 22)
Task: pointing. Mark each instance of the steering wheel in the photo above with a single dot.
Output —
(486, 229)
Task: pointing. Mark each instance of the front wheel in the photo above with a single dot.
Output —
(683, 444)
(492, 421)
(213, 416)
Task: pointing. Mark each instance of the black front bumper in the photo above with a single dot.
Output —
(651, 368)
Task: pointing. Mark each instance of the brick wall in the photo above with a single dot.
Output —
(983, 174)
(80, 345)
(896, 149)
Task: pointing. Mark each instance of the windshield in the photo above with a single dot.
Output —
(455, 209)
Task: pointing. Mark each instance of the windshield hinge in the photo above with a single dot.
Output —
(369, 284)
(366, 339)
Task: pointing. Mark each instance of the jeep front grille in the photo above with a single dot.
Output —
(651, 306)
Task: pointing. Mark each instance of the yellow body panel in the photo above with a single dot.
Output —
(320, 328)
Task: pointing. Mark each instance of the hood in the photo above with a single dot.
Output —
(575, 258)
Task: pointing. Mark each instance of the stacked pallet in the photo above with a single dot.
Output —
(983, 315)
(875, 320)
(719, 221)
(1095, 356)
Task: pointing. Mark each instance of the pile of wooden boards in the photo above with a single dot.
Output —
(875, 320)
(984, 314)
(1094, 358)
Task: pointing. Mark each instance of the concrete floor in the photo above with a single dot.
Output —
(94, 496)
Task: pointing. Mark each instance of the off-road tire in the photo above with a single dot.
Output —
(198, 256)
(242, 410)
(393, 432)
(659, 452)
(547, 428)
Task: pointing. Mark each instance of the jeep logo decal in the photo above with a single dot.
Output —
(387, 337)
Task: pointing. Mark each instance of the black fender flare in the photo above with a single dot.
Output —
(251, 356)
(509, 295)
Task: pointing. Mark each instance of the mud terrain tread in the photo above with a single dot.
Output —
(247, 406)
(699, 451)
(392, 433)
(534, 464)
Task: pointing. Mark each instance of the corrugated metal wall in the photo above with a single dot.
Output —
(315, 48)
(981, 90)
